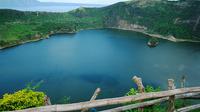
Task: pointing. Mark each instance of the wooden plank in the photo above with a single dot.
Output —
(148, 103)
(189, 108)
(112, 101)
(171, 104)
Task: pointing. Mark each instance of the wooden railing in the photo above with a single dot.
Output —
(168, 95)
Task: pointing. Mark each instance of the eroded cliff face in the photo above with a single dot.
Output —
(177, 19)
(123, 24)
(190, 16)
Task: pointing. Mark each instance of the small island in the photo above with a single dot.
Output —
(153, 42)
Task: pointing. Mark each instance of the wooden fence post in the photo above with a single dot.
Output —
(47, 101)
(183, 80)
(94, 96)
(140, 86)
(171, 105)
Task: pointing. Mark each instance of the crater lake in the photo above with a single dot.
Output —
(74, 65)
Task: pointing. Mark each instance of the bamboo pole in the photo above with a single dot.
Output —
(137, 105)
(148, 103)
(96, 93)
(189, 108)
(94, 96)
(171, 105)
(112, 101)
(194, 97)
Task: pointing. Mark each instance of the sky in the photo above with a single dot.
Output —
(85, 1)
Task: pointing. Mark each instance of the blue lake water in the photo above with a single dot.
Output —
(76, 64)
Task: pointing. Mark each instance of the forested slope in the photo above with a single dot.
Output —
(177, 19)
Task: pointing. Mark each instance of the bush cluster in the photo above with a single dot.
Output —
(21, 100)
(154, 108)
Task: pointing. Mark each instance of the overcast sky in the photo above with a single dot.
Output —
(85, 1)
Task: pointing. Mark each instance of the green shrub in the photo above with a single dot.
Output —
(148, 88)
(154, 108)
(2, 43)
(21, 100)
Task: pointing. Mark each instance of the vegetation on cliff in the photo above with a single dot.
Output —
(177, 19)
(17, 26)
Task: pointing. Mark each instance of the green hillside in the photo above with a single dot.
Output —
(177, 19)
(158, 16)
(17, 27)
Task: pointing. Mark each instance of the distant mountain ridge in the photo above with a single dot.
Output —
(7, 3)
(15, 3)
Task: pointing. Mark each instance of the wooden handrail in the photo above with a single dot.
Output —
(137, 105)
(112, 101)
(149, 103)
(189, 108)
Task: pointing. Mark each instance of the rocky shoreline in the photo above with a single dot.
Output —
(170, 37)
(125, 25)
(21, 42)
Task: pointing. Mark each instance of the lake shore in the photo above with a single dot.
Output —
(20, 43)
(170, 38)
(34, 40)
(44, 37)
